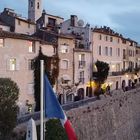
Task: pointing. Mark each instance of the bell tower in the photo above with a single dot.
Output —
(34, 9)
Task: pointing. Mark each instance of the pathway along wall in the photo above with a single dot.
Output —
(111, 118)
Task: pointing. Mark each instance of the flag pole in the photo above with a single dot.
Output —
(41, 98)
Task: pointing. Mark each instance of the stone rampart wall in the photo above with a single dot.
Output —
(111, 118)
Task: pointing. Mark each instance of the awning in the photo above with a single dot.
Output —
(66, 78)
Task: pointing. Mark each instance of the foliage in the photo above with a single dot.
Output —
(102, 72)
(100, 76)
(54, 131)
(51, 69)
(8, 108)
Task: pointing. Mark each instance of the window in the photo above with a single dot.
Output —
(106, 38)
(118, 51)
(18, 22)
(110, 51)
(81, 78)
(111, 39)
(81, 60)
(30, 64)
(31, 4)
(38, 5)
(28, 25)
(124, 54)
(12, 64)
(51, 21)
(31, 47)
(100, 37)
(118, 40)
(1, 43)
(64, 48)
(81, 57)
(137, 52)
(100, 50)
(106, 51)
(64, 64)
(133, 53)
(30, 88)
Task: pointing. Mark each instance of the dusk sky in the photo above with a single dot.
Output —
(121, 15)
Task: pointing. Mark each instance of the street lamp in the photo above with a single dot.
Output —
(93, 77)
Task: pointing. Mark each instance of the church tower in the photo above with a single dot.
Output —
(34, 9)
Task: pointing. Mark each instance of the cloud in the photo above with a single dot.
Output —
(129, 22)
(121, 15)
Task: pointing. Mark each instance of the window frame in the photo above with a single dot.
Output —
(1, 43)
(12, 64)
(66, 65)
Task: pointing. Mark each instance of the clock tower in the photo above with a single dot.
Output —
(34, 9)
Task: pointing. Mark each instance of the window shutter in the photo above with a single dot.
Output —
(8, 64)
(17, 64)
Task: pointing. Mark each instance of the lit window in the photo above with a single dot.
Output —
(31, 47)
(12, 64)
(64, 64)
(1, 42)
(64, 48)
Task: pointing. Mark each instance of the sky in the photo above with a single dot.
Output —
(123, 16)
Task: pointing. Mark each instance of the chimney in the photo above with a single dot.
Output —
(73, 20)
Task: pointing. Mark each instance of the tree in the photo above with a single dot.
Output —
(51, 65)
(9, 92)
(100, 76)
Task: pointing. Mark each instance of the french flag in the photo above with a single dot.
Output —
(54, 110)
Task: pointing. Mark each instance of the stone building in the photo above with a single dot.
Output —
(16, 55)
(82, 51)
(16, 23)
(118, 52)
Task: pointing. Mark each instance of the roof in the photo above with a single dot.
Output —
(2, 23)
(67, 36)
(107, 30)
(11, 12)
(6, 34)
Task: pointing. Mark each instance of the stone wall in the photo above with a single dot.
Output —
(111, 118)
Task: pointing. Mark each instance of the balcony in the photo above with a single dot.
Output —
(117, 73)
(125, 57)
(82, 64)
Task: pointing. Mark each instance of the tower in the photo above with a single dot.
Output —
(34, 9)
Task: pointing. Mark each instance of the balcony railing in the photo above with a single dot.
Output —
(82, 80)
(82, 64)
(117, 73)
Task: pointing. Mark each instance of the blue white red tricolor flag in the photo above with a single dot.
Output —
(54, 110)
